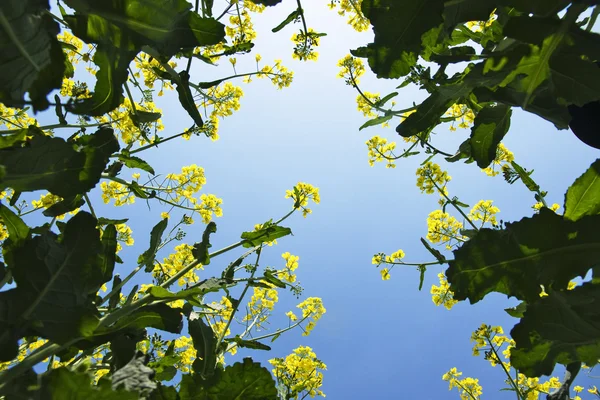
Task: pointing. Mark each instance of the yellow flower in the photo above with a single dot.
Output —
(503, 157)
(380, 150)
(385, 274)
(300, 372)
(301, 194)
(291, 316)
(164, 215)
(442, 295)
(485, 212)
(311, 308)
(431, 175)
(352, 9)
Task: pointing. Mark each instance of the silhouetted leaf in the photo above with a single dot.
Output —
(64, 206)
(490, 126)
(200, 250)
(583, 197)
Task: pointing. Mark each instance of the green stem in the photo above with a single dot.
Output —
(154, 144)
(512, 382)
(89, 203)
(451, 202)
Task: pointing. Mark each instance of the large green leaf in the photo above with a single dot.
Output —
(18, 231)
(54, 164)
(398, 26)
(62, 383)
(56, 281)
(545, 249)
(491, 124)
(575, 81)
(583, 196)
(246, 380)
(147, 257)
(205, 343)
(560, 328)
(200, 250)
(158, 316)
(31, 58)
(206, 286)
(267, 233)
(64, 206)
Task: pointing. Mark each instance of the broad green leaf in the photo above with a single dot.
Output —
(62, 383)
(544, 104)
(31, 60)
(123, 349)
(18, 231)
(158, 316)
(250, 344)
(106, 221)
(459, 12)
(136, 162)
(517, 311)
(267, 233)
(560, 328)
(243, 380)
(205, 343)
(136, 376)
(583, 196)
(147, 257)
(10, 139)
(376, 121)
(398, 26)
(385, 99)
(294, 15)
(206, 286)
(575, 81)
(491, 124)
(200, 250)
(109, 252)
(434, 252)
(208, 85)
(272, 279)
(525, 177)
(59, 168)
(54, 280)
(542, 250)
(143, 117)
(137, 190)
(64, 206)
(186, 98)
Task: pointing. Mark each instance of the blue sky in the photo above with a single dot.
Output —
(380, 340)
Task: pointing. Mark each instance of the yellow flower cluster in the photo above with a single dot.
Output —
(186, 352)
(117, 192)
(300, 372)
(175, 263)
(209, 205)
(25, 349)
(443, 228)
(468, 388)
(301, 194)
(380, 150)
(121, 120)
(490, 340)
(8, 195)
(311, 308)
(15, 118)
(503, 156)
(124, 234)
(241, 29)
(78, 90)
(484, 211)
(393, 259)
(48, 200)
(431, 175)
(442, 295)
(147, 65)
(461, 113)
(352, 69)
(479, 26)
(364, 103)
(261, 304)
(291, 264)
(77, 54)
(304, 45)
(351, 8)
(279, 75)
(225, 99)
(537, 206)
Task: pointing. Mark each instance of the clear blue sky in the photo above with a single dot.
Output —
(380, 340)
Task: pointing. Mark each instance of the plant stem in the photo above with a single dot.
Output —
(451, 202)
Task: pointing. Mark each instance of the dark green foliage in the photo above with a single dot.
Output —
(267, 233)
(583, 197)
(491, 124)
(200, 250)
(59, 168)
(147, 258)
(31, 58)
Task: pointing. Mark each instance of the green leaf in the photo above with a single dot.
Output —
(525, 177)
(398, 26)
(135, 376)
(272, 279)
(200, 250)
(105, 221)
(376, 121)
(137, 190)
(136, 162)
(268, 3)
(58, 167)
(294, 15)
(186, 98)
(434, 252)
(560, 328)
(147, 257)
(204, 287)
(491, 124)
(385, 99)
(208, 85)
(545, 249)
(246, 380)
(583, 196)
(250, 344)
(10, 139)
(144, 117)
(422, 270)
(18, 231)
(205, 343)
(517, 311)
(158, 316)
(267, 233)
(64, 206)
(54, 279)
(576, 81)
(109, 252)
(32, 60)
